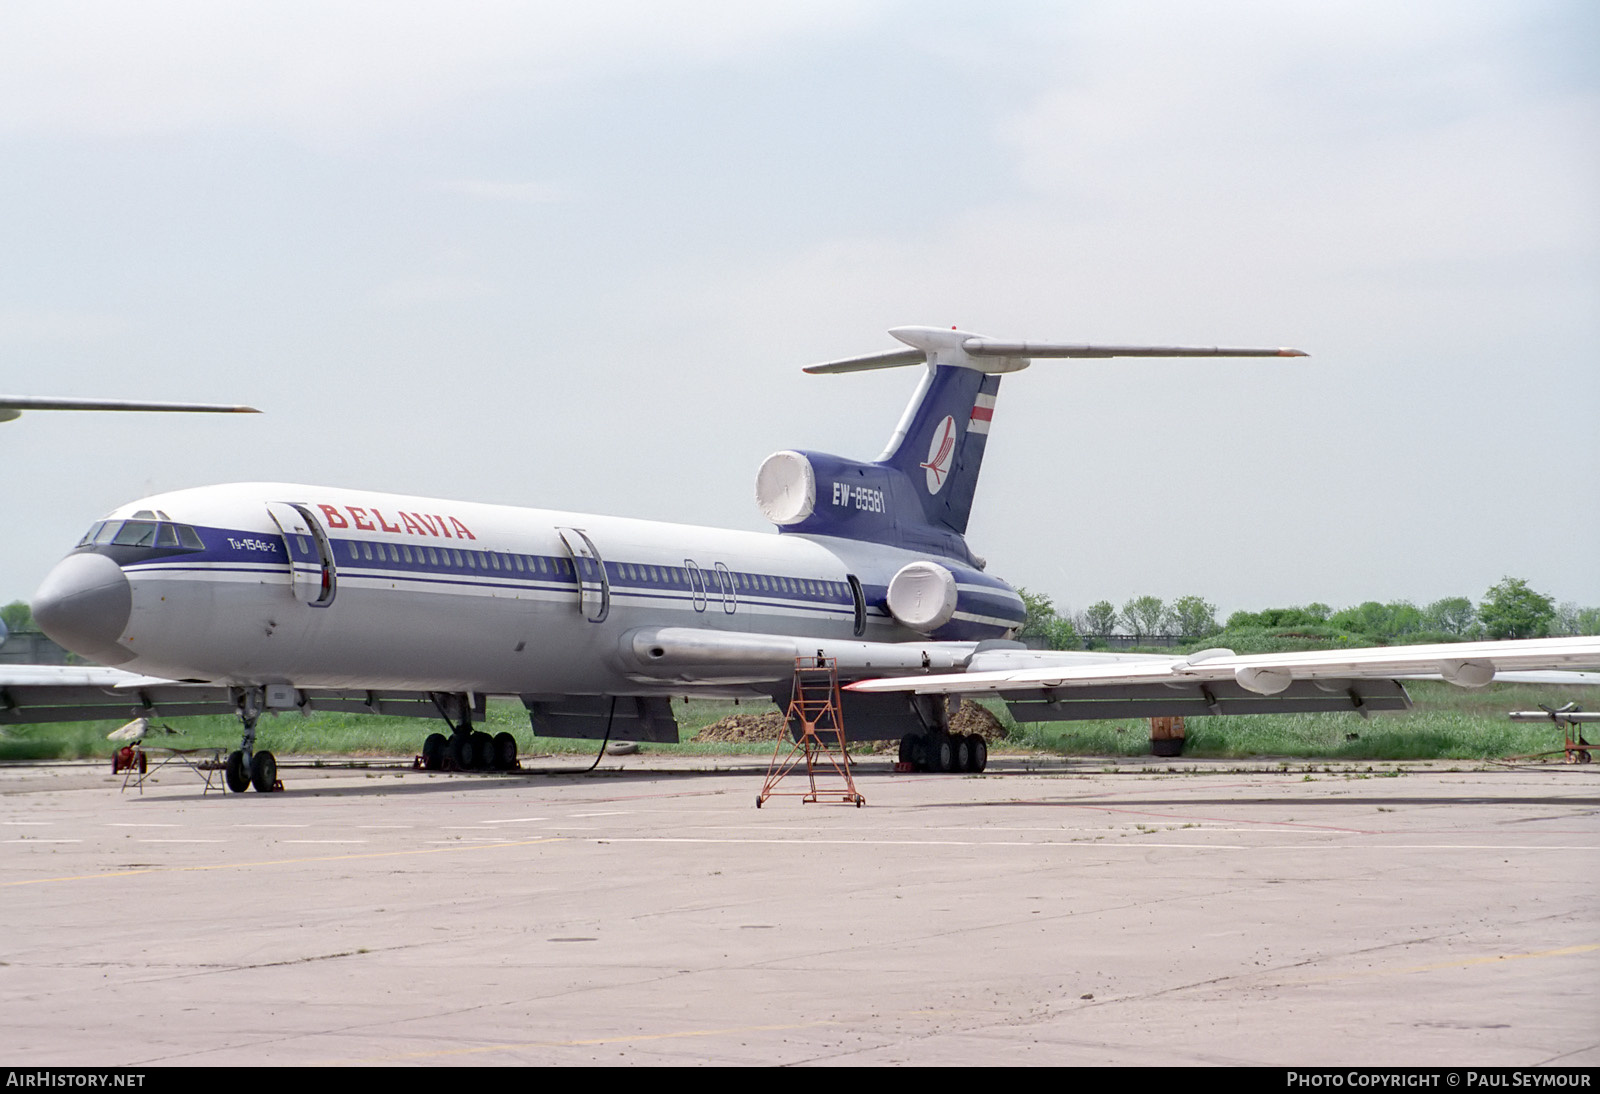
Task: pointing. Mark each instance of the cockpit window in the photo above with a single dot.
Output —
(142, 533)
(136, 533)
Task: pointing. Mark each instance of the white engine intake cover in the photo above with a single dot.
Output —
(922, 596)
(786, 488)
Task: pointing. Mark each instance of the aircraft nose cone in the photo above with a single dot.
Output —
(84, 604)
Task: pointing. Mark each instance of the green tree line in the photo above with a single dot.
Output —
(1509, 609)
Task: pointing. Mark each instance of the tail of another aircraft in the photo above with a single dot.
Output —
(918, 494)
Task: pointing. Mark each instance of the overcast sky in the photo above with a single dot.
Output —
(573, 256)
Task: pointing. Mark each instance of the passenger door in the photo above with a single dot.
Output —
(312, 574)
(594, 588)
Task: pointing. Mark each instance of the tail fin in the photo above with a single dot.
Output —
(939, 443)
(919, 492)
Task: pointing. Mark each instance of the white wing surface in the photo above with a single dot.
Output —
(1469, 664)
(12, 406)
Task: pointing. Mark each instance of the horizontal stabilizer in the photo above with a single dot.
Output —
(939, 346)
(993, 347)
(893, 358)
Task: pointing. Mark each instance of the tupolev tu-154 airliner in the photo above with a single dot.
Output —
(272, 596)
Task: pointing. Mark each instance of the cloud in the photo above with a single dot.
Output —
(327, 69)
(532, 193)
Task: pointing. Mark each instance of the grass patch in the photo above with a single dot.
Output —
(1448, 723)
(341, 734)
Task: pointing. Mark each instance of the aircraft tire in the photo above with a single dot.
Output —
(919, 753)
(979, 753)
(459, 751)
(234, 773)
(960, 753)
(482, 751)
(505, 751)
(263, 772)
(433, 752)
(906, 749)
(939, 754)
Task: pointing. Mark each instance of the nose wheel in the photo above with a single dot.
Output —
(236, 772)
(246, 767)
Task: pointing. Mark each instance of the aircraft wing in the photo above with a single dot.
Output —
(1064, 687)
(34, 694)
(31, 694)
(13, 405)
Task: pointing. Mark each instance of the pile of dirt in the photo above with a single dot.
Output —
(972, 718)
(745, 727)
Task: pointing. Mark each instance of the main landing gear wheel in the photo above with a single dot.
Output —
(957, 753)
(482, 750)
(235, 774)
(460, 751)
(433, 751)
(264, 772)
(505, 751)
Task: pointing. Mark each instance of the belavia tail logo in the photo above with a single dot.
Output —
(940, 450)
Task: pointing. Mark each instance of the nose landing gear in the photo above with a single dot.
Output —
(245, 766)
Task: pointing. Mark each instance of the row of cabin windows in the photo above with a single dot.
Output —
(450, 556)
(743, 582)
(530, 564)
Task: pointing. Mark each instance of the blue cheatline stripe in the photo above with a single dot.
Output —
(146, 568)
(257, 549)
(245, 562)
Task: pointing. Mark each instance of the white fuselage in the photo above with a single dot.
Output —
(424, 594)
